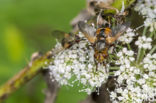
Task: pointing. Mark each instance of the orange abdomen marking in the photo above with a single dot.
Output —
(100, 56)
(98, 31)
(108, 31)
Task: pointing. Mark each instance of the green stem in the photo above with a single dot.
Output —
(141, 51)
(145, 30)
(153, 49)
(140, 55)
(119, 46)
(24, 76)
(111, 73)
(154, 32)
(151, 34)
(129, 47)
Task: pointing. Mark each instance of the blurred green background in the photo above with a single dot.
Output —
(25, 27)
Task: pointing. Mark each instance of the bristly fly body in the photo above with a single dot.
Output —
(102, 38)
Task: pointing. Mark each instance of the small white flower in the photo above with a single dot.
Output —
(136, 84)
(113, 95)
(141, 81)
(147, 9)
(127, 37)
(78, 61)
(144, 42)
(88, 91)
(145, 76)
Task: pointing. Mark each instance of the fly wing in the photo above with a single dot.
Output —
(88, 31)
(119, 30)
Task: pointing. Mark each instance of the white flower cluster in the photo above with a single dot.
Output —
(78, 62)
(144, 42)
(127, 37)
(150, 62)
(151, 23)
(136, 83)
(147, 8)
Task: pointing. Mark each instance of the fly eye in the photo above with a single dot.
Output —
(92, 4)
(107, 25)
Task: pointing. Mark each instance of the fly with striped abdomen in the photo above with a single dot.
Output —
(102, 38)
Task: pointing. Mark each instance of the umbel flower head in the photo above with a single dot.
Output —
(147, 8)
(136, 74)
(78, 62)
(136, 83)
(134, 57)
